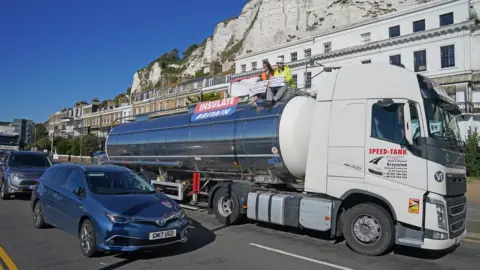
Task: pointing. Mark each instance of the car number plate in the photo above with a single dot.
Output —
(162, 234)
(31, 187)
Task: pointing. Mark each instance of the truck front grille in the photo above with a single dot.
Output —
(457, 215)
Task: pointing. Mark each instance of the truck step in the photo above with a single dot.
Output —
(410, 242)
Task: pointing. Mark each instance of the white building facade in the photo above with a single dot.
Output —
(440, 39)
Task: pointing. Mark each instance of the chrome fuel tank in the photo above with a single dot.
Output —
(247, 140)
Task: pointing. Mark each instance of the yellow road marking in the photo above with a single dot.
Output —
(7, 260)
(471, 241)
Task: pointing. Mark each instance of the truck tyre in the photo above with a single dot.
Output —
(226, 206)
(369, 229)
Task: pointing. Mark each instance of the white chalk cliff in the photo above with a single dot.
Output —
(266, 23)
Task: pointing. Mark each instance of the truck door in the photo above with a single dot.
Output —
(395, 169)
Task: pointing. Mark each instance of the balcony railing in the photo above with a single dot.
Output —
(470, 107)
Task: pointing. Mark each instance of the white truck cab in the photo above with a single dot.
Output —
(391, 134)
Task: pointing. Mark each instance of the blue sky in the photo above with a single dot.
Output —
(56, 52)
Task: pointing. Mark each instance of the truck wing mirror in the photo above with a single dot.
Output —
(408, 124)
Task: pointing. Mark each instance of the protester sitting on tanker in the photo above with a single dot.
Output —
(267, 73)
(275, 94)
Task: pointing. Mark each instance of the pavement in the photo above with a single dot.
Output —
(211, 246)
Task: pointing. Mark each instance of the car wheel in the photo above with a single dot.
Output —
(226, 206)
(38, 218)
(3, 191)
(88, 242)
(369, 229)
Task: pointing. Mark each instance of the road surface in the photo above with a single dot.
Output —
(211, 247)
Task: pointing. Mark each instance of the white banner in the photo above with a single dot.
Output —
(258, 88)
(277, 81)
(242, 88)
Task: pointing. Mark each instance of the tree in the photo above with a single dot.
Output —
(206, 97)
(90, 144)
(43, 143)
(41, 130)
(129, 91)
(472, 157)
(63, 146)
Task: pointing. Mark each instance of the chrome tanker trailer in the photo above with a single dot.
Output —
(347, 162)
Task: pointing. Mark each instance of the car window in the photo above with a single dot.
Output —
(118, 183)
(61, 176)
(49, 174)
(74, 180)
(28, 161)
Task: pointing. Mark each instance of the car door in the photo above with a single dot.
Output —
(53, 196)
(71, 206)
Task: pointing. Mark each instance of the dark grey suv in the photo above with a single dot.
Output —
(19, 171)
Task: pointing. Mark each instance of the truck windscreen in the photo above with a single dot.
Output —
(442, 122)
(8, 140)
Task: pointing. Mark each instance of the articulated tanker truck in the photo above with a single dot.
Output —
(375, 157)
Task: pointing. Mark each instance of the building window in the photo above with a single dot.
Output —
(396, 59)
(295, 78)
(244, 67)
(447, 56)
(420, 60)
(308, 52)
(365, 37)
(446, 19)
(308, 80)
(366, 62)
(281, 57)
(419, 26)
(394, 31)
(254, 65)
(293, 56)
(327, 47)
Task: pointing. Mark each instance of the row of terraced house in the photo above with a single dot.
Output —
(96, 118)
(439, 39)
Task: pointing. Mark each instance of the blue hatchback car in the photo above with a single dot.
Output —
(109, 208)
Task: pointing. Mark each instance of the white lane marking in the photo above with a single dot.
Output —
(300, 257)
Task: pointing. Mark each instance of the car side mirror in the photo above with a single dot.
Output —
(78, 191)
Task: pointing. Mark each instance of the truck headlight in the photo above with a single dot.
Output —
(441, 217)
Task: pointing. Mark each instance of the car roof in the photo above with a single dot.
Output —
(27, 153)
(93, 168)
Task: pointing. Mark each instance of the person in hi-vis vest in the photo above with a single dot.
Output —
(275, 94)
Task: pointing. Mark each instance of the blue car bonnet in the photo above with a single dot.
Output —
(148, 206)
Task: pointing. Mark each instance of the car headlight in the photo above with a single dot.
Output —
(13, 176)
(118, 219)
(180, 214)
(441, 217)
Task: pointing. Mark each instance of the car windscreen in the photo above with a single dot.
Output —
(29, 161)
(115, 183)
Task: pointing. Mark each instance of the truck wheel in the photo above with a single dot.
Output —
(369, 229)
(226, 206)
